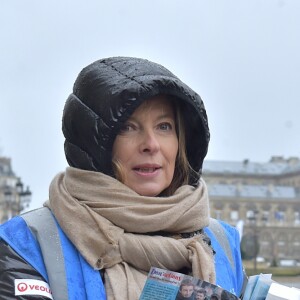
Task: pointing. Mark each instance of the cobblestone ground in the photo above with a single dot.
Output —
(288, 281)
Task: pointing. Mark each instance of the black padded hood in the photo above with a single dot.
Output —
(104, 96)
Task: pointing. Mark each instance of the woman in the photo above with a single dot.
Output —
(132, 198)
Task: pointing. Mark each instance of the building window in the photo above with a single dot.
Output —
(296, 218)
(266, 245)
(266, 217)
(282, 245)
(251, 216)
(279, 216)
(296, 245)
(218, 214)
(234, 215)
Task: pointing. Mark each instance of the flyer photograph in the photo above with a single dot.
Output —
(167, 285)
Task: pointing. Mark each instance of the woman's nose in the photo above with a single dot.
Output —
(149, 142)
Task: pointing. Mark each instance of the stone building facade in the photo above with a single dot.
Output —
(264, 197)
(13, 197)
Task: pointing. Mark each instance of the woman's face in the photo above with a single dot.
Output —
(147, 146)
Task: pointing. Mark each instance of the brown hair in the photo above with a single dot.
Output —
(186, 282)
(201, 291)
(182, 167)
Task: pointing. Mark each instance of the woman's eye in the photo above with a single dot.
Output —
(126, 128)
(165, 126)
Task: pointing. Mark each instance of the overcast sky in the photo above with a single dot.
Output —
(242, 57)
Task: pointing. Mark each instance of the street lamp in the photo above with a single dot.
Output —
(249, 243)
(19, 186)
(253, 219)
(16, 199)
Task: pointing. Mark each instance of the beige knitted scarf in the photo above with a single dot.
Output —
(108, 223)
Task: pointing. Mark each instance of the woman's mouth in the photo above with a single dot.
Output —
(145, 170)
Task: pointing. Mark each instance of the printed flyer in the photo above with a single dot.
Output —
(167, 285)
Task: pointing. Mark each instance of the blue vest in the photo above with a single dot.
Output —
(83, 282)
(229, 276)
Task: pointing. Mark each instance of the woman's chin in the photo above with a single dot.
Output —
(148, 191)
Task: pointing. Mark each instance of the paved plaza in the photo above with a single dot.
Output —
(289, 281)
